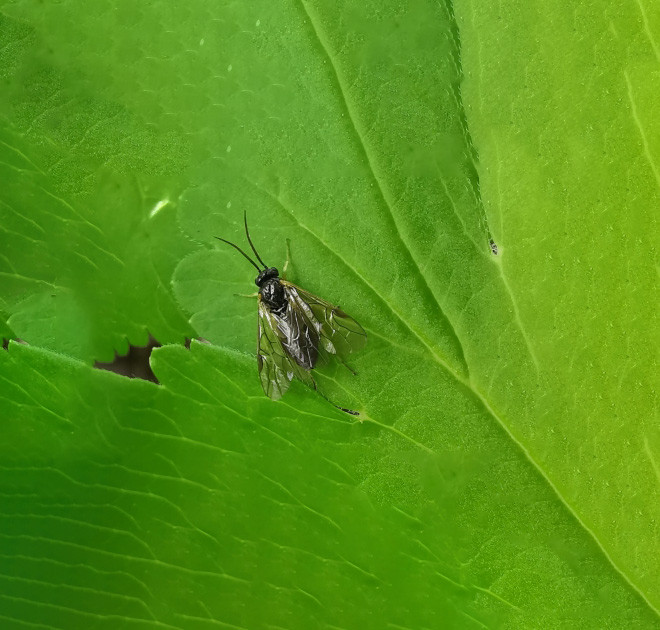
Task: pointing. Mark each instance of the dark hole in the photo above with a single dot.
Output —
(134, 364)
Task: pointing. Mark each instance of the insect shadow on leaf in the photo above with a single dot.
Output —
(297, 331)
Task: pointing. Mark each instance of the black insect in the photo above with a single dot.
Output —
(297, 331)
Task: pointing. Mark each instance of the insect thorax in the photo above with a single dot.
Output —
(273, 296)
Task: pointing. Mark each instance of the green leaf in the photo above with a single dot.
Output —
(504, 474)
(202, 503)
(88, 245)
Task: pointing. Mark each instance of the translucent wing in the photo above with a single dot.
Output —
(290, 344)
(280, 354)
(338, 333)
(299, 336)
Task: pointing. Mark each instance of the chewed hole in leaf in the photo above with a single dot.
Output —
(133, 364)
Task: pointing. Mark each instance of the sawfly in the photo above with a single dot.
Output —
(297, 331)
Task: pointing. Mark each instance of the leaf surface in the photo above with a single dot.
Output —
(505, 473)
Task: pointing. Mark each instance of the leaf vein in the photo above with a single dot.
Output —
(379, 184)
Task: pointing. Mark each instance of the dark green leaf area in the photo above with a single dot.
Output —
(88, 233)
(122, 497)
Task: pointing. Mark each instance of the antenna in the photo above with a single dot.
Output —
(247, 233)
(240, 250)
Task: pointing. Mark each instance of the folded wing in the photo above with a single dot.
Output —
(282, 352)
(338, 333)
(309, 331)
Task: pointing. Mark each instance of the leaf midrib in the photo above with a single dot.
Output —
(379, 186)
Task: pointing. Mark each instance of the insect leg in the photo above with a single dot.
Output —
(250, 295)
(322, 395)
(346, 365)
(288, 258)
